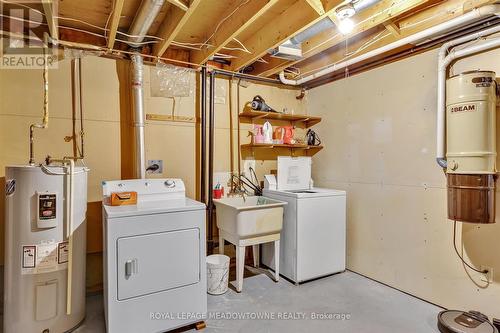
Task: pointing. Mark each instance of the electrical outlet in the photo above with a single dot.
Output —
(155, 166)
(488, 277)
(247, 164)
(221, 178)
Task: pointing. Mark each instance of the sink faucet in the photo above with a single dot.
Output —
(236, 188)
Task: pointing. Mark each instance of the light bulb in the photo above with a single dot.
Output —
(346, 25)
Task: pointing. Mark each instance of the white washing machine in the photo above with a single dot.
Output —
(313, 238)
(154, 258)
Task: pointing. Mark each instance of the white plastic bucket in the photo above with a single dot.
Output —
(217, 274)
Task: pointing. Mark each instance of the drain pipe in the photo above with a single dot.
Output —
(137, 72)
(211, 143)
(203, 134)
(444, 27)
(444, 60)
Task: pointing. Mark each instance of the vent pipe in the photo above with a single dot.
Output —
(148, 10)
(445, 27)
(137, 74)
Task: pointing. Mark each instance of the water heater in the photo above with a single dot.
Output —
(471, 146)
(45, 249)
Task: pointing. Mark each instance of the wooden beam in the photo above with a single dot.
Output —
(172, 24)
(115, 20)
(317, 5)
(380, 13)
(296, 18)
(232, 27)
(407, 27)
(180, 4)
(392, 28)
(48, 8)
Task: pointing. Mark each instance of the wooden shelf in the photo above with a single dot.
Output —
(252, 115)
(312, 149)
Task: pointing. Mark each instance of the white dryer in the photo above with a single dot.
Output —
(154, 258)
(313, 238)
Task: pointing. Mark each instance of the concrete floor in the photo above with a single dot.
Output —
(370, 307)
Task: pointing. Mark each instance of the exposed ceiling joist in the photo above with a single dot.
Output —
(408, 26)
(232, 27)
(382, 12)
(48, 8)
(317, 5)
(172, 24)
(296, 18)
(180, 4)
(115, 20)
(392, 28)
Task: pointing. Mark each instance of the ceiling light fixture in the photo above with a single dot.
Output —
(345, 26)
(344, 14)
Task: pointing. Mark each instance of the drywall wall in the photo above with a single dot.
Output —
(378, 130)
(108, 131)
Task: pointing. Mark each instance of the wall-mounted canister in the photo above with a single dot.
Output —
(471, 146)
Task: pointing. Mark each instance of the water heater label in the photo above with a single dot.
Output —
(47, 206)
(45, 257)
(62, 253)
(29, 255)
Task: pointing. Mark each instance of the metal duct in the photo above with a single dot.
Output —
(148, 10)
(312, 31)
(445, 27)
(363, 4)
(138, 105)
(327, 23)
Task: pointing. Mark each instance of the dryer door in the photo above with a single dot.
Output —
(157, 262)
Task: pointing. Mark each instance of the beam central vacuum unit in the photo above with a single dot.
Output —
(45, 248)
(471, 99)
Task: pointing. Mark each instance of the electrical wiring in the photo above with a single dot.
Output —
(224, 56)
(75, 29)
(119, 53)
(235, 49)
(485, 271)
(66, 18)
(244, 48)
(224, 19)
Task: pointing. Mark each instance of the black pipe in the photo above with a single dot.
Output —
(211, 143)
(203, 148)
(247, 77)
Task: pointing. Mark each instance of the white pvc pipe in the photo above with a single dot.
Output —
(138, 108)
(70, 197)
(443, 62)
(469, 17)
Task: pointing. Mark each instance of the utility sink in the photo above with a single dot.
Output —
(249, 221)
(249, 216)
